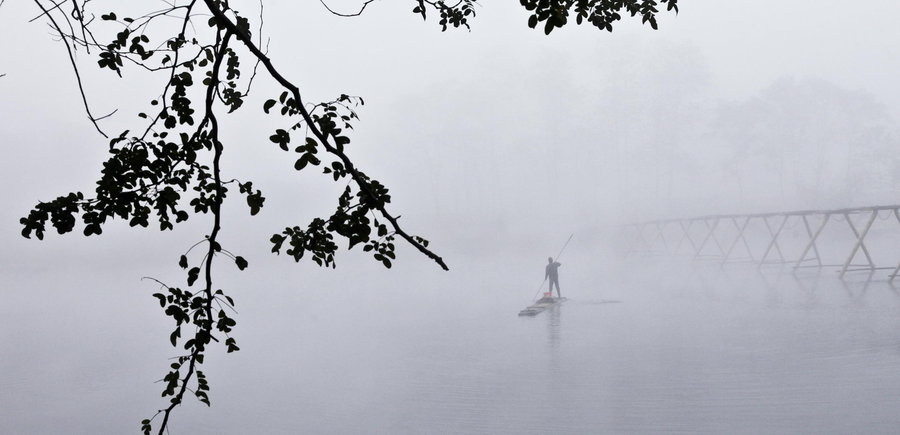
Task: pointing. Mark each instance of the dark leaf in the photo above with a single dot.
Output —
(173, 338)
(268, 105)
(193, 274)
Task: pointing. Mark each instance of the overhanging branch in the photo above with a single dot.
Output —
(322, 138)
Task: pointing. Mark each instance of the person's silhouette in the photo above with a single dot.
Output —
(551, 272)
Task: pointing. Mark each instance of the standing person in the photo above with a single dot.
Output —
(552, 272)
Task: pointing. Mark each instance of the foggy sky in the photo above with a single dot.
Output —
(503, 127)
(492, 141)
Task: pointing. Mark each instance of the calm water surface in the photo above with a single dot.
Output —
(681, 348)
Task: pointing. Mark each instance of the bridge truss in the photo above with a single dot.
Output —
(794, 238)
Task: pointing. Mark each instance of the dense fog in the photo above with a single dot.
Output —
(497, 144)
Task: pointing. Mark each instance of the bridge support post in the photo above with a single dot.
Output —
(685, 235)
(897, 269)
(809, 234)
(739, 237)
(774, 241)
(812, 241)
(859, 242)
(710, 234)
(660, 234)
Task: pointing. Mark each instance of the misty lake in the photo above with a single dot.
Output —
(643, 348)
(496, 144)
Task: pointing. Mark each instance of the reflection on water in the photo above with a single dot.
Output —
(689, 348)
(554, 326)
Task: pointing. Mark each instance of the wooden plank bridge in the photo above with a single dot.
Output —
(762, 238)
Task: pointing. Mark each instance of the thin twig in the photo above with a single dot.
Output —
(355, 14)
(157, 281)
(47, 11)
(74, 68)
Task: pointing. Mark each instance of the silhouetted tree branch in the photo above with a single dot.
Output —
(171, 170)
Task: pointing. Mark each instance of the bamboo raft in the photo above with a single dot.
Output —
(541, 305)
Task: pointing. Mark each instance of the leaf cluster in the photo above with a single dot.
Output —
(139, 180)
(354, 218)
(599, 13)
(456, 15)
